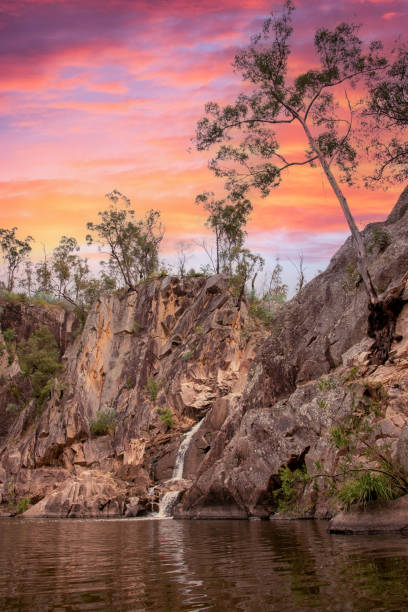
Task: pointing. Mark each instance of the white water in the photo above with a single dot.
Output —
(168, 501)
(181, 453)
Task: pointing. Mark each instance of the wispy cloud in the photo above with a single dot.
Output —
(97, 95)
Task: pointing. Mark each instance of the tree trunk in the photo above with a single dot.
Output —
(355, 233)
(217, 246)
(383, 310)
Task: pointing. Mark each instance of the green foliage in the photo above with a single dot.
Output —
(249, 132)
(153, 387)
(352, 375)
(322, 403)
(10, 340)
(197, 329)
(9, 335)
(276, 291)
(246, 266)
(388, 111)
(340, 437)
(64, 262)
(261, 311)
(132, 245)
(194, 274)
(23, 505)
(13, 408)
(245, 333)
(43, 298)
(380, 239)
(318, 465)
(326, 384)
(274, 295)
(130, 383)
(10, 296)
(40, 361)
(351, 277)
(366, 487)
(377, 477)
(166, 416)
(104, 422)
(292, 486)
(227, 218)
(187, 355)
(15, 251)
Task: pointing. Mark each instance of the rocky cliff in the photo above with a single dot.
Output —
(312, 378)
(308, 397)
(147, 365)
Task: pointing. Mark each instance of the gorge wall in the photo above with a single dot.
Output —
(178, 350)
(154, 360)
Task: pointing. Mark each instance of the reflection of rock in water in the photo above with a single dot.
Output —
(170, 498)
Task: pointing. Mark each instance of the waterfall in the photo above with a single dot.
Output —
(181, 453)
(168, 501)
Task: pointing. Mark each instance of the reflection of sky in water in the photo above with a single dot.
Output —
(197, 565)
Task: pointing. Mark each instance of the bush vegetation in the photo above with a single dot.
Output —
(104, 422)
(40, 362)
(23, 505)
(166, 416)
(153, 387)
(365, 470)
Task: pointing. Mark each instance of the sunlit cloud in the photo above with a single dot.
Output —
(101, 95)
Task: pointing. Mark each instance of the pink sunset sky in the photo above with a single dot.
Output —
(104, 94)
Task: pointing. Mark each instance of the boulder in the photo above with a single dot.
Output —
(385, 517)
(90, 495)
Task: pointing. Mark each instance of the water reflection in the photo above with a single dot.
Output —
(197, 565)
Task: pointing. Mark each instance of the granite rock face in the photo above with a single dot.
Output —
(173, 347)
(179, 350)
(389, 517)
(303, 383)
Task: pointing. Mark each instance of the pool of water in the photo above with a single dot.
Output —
(197, 565)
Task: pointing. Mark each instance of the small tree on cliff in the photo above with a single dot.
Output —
(64, 261)
(133, 246)
(15, 252)
(250, 155)
(227, 218)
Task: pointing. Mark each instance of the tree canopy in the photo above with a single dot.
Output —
(249, 130)
(15, 252)
(133, 245)
(388, 109)
(227, 219)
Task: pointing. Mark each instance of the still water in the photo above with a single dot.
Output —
(172, 565)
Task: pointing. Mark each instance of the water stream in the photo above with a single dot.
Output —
(169, 499)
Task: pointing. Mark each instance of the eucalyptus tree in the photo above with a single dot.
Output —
(249, 131)
(15, 252)
(387, 109)
(132, 245)
(64, 261)
(227, 219)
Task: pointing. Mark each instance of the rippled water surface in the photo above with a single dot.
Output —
(197, 565)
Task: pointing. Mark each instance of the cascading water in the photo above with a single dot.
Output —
(168, 501)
